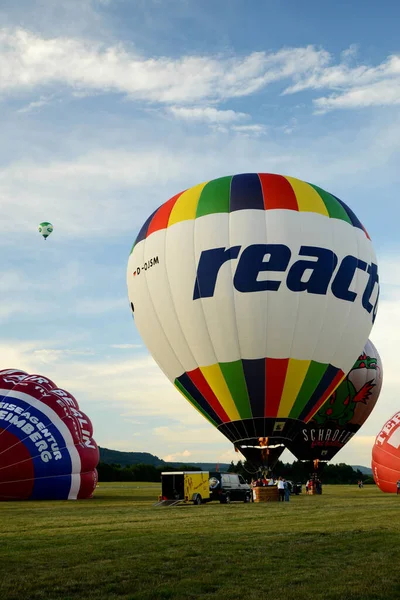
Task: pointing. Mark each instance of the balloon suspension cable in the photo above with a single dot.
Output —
(243, 464)
(250, 472)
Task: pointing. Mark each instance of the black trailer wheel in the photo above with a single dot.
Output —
(197, 500)
(226, 499)
(247, 497)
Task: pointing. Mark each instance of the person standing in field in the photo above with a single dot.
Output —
(281, 490)
(398, 486)
(287, 490)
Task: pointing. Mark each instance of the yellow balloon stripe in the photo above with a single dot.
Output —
(308, 199)
(295, 375)
(186, 206)
(217, 383)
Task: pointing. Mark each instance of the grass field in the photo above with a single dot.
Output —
(342, 545)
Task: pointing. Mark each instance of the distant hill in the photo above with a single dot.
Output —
(364, 470)
(129, 458)
(124, 459)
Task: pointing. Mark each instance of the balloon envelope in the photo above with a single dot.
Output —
(45, 229)
(386, 455)
(47, 449)
(342, 415)
(254, 294)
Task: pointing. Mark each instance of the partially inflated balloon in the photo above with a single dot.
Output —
(45, 229)
(254, 294)
(47, 449)
(386, 455)
(339, 419)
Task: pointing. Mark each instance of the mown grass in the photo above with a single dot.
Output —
(342, 545)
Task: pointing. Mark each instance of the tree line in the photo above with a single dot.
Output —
(301, 471)
(296, 472)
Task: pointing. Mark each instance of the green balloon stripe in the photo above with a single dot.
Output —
(334, 208)
(314, 375)
(235, 380)
(215, 197)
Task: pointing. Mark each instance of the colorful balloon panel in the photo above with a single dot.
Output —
(254, 294)
(386, 455)
(47, 450)
(346, 410)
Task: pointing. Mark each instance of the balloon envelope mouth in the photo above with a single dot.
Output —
(250, 431)
(261, 456)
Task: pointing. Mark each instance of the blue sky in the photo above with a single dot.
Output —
(108, 108)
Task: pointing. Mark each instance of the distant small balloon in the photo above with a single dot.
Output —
(45, 229)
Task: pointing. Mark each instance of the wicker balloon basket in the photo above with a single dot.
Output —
(266, 494)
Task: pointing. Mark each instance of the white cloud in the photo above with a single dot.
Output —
(51, 355)
(177, 457)
(126, 346)
(29, 61)
(354, 87)
(254, 129)
(350, 53)
(380, 93)
(180, 435)
(124, 383)
(18, 355)
(126, 445)
(207, 114)
(43, 101)
(342, 75)
(229, 456)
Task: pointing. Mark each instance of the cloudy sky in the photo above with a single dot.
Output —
(110, 107)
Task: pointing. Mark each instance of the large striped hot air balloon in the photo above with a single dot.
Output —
(254, 293)
(47, 450)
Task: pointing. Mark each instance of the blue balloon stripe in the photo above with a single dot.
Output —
(254, 374)
(43, 440)
(246, 192)
(52, 488)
